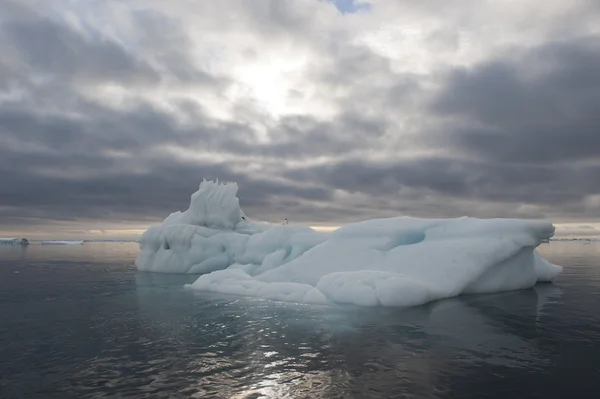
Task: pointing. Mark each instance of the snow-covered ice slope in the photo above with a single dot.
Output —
(392, 262)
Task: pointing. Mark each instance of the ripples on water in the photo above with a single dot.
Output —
(81, 322)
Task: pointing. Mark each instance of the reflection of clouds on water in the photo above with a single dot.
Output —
(99, 330)
(239, 347)
(410, 350)
(206, 345)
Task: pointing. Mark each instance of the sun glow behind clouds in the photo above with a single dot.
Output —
(270, 83)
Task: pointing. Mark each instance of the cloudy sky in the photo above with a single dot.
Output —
(324, 112)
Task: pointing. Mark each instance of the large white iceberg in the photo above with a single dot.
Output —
(391, 262)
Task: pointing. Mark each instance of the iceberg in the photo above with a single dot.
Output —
(62, 242)
(399, 261)
(14, 241)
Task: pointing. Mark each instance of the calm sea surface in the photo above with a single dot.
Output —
(81, 322)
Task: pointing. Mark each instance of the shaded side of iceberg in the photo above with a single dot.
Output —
(391, 262)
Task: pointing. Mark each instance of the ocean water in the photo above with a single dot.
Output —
(81, 322)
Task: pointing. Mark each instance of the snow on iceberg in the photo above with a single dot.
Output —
(391, 262)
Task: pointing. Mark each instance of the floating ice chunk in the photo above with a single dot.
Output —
(383, 262)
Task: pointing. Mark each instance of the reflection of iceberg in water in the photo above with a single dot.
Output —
(463, 334)
(234, 347)
(238, 347)
(161, 281)
(493, 328)
(547, 294)
(14, 252)
(408, 350)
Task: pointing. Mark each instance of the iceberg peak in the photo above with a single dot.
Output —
(215, 205)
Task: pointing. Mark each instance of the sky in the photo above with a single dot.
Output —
(324, 112)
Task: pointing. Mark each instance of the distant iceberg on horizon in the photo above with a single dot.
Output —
(14, 241)
(62, 242)
(398, 261)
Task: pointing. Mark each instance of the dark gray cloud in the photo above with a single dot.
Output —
(154, 194)
(455, 180)
(36, 45)
(516, 134)
(521, 129)
(538, 106)
(299, 137)
(170, 50)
